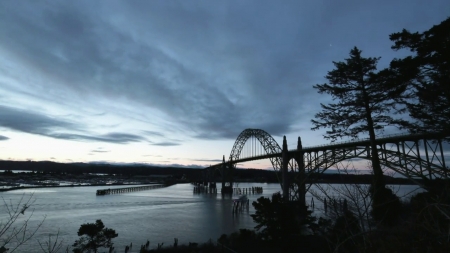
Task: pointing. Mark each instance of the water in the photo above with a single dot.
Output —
(158, 215)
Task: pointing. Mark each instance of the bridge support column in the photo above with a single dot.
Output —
(223, 172)
(284, 170)
(302, 176)
(227, 176)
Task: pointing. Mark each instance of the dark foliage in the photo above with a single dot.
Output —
(366, 100)
(386, 206)
(93, 236)
(277, 219)
(428, 74)
(432, 214)
(345, 233)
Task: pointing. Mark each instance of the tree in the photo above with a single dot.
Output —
(94, 236)
(366, 102)
(278, 219)
(428, 72)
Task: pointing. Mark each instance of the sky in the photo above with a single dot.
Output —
(175, 82)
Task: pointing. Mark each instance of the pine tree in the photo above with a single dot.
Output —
(94, 236)
(428, 72)
(366, 101)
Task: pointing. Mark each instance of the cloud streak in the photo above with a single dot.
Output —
(35, 123)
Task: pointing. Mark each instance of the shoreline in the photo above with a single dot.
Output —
(58, 186)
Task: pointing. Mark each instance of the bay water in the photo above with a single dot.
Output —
(158, 215)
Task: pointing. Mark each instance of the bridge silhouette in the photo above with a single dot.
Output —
(419, 157)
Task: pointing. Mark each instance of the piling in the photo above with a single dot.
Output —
(102, 192)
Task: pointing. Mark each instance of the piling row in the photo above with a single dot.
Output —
(250, 190)
(128, 189)
(204, 189)
(240, 205)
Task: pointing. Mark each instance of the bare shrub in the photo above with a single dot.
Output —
(15, 230)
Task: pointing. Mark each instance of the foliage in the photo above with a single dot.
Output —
(278, 219)
(432, 214)
(93, 236)
(428, 73)
(14, 230)
(364, 96)
(366, 100)
(270, 215)
(386, 206)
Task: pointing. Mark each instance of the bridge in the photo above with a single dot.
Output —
(419, 157)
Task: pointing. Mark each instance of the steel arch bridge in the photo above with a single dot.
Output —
(419, 157)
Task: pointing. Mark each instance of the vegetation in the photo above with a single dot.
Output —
(365, 101)
(15, 230)
(427, 73)
(93, 236)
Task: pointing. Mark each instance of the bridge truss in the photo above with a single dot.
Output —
(419, 157)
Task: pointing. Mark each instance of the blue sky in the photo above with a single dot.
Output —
(175, 82)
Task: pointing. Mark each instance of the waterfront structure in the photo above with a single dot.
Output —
(419, 157)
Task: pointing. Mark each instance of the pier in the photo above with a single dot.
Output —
(128, 189)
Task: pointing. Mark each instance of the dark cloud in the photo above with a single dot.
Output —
(3, 138)
(213, 70)
(29, 122)
(35, 123)
(118, 138)
(153, 133)
(66, 38)
(166, 144)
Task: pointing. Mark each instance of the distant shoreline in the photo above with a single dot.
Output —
(58, 186)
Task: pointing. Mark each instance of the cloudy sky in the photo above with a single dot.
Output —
(175, 82)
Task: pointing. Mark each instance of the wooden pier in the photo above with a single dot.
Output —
(128, 189)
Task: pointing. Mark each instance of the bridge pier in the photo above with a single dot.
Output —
(301, 181)
(284, 170)
(227, 176)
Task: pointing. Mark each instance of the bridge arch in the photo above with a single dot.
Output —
(265, 139)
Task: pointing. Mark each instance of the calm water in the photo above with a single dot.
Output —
(157, 215)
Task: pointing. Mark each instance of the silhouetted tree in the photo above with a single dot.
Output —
(428, 72)
(94, 236)
(277, 219)
(366, 101)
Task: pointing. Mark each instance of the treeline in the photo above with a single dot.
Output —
(241, 175)
(80, 168)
